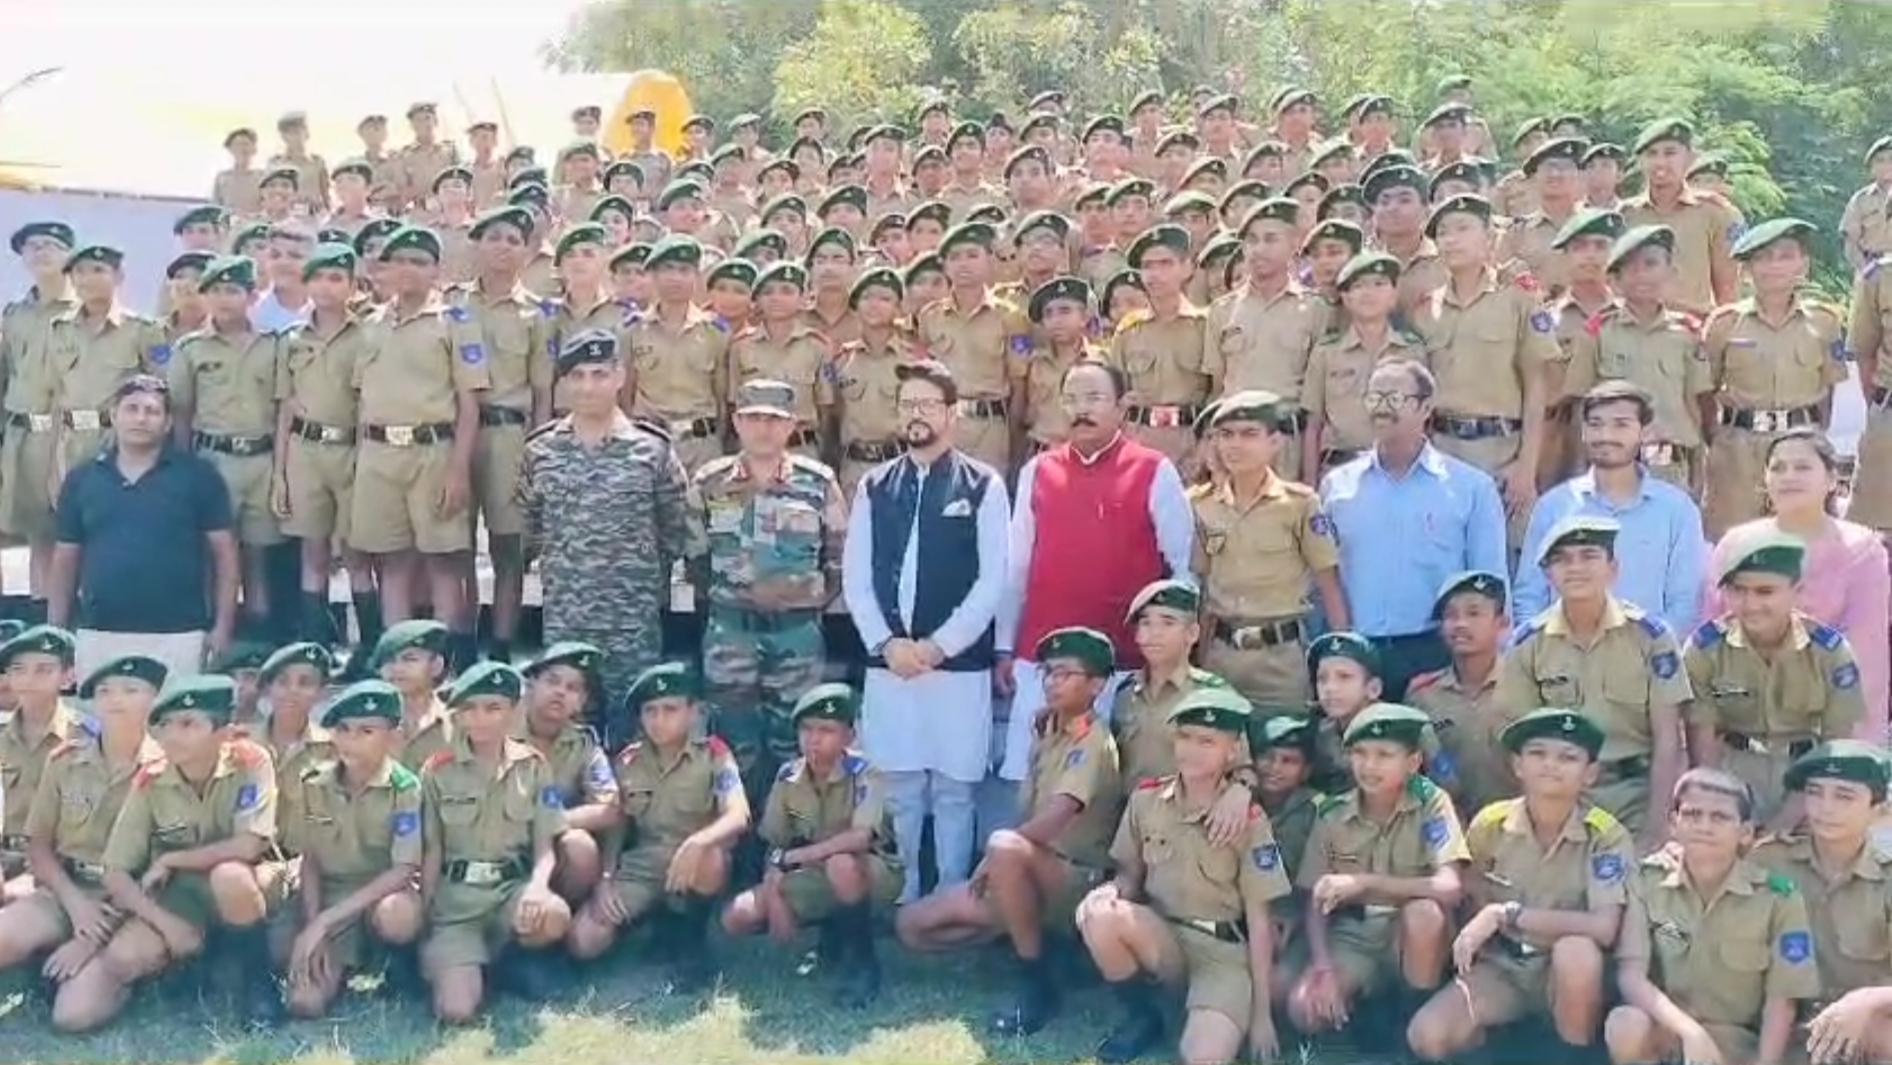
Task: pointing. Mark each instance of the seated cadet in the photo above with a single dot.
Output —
(38, 666)
(360, 834)
(84, 783)
(1771, 683)
(293, 681)
(1185, 910)
(1609, 659)
(1346, 673)
(1033, 876)
(492, 813)
(1716, 953)
(1832, 859)
(1283, 747)
(559, 684)
(243, 663)
(1382, 873)
(830, 858)
(1547, 887)
(666, 849)
(1470, 763)
(412, 656)
(9, 628)
(192, 848)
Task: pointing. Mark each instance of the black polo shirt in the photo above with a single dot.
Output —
(144, 565)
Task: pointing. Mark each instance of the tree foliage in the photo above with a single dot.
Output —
(863, 60)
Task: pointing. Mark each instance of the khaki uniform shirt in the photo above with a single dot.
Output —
(1871, 327)
(292, 760)
(1706, 227)
(22, 763)
(459, 258)
(667, 803)
(1255, 341)
(1334, 394)
(1184, 875)
(1851, 914)
(1808, 691)
(90, 363)
(430, 735)
(489, 182)
(1761, 367)
(316, 374)
(79, 796)
(1720, 959)
(1098, 263)
(798, 359)
(520, 343)
(837, 332)
(1048, 424)
(1470, 762)
(420, 164)
(1139, 716)
(417, 366)
(356, 834)
(803, 809)
(1866, 223)
(895, 197)
(1514, 196)
(963, 198)
(1586, 868)
(1634, 665)
(1662, 356)
(682, 374)
(1420, 274)
(540, 277)
(384, 189)
(311, 179)
(238, 191)
(1422, 837)
(1484, 350)
(867, 389)
(576, 764)
(474, 813)
(230, 389)
(1162, 357)
(1526, 246)
(26, 373)
(655, 165)
(573, 203)
(1079, 761)
(987, 350)
(784, 534)
(164, 813)
(1255, 560)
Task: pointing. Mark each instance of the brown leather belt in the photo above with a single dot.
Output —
(875, 450)
(983, 408)
(233, 444)
(317, 433)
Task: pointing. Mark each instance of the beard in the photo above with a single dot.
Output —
(920, 434)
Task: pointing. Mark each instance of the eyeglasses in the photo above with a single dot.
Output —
(921, 406)
(1062, 674)
(1395, 400)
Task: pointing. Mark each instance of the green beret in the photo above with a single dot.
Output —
(1663, 129)
(889, 220)
(972, 131)
(920, 266)
(377, 229)
(934, 210)
(1343, 644)
(1074, 289)
(207, 214)
(283, 173)
(452, 173)
(1292, 97)
(1633, 240)
(1102, 124)
(636, 254)
(1335, 229)
(884, 131)
(239, 270)
(581, 656)
(1489, 585)
(1385, 160)
(854, 196)
(613, 202)
(876, 277)
(1708, 164)
(1454, 83)
(929, 153)
(746, 120)
(1604, 150)
(726, 154)
(1540, 124)
(189, 260)
(1367, 103)
(1146, 98)
(532, 194)
(1464, 172)
(1368, 264)
(787, 271)
(662, 681)
(679, 248)
(364, 699)
(1248, 188)
(10, 627)
(212, 694)
(95, 253)
(1307, 179)
(1278, 209)
(984, 234)
(1211, 166)
(239, 133)
(1589, 222)
(1396, 722)
(1030, 152)
(1055, 221)
(787, 201)
(495, 679)
(1883, 144)
(507, 215)
(759, 395)
(582, 233)
(58, 231)
(1450, 111)
(1164, 235)
(1182, 138)
(772, 239)
(1205, 416)
(828, 702)
(699, 173)
(591, 347)
(1250, 405)
(1037, 121)
(414, 634)
(1377, 183)
(1760, 236)
(1222, 709)
(1463, 203)
(1286, 731)
(1571, 726)
(622, 168)
(1128, 187)
(330, 257)
(989, 213)
(1775, 553)
(834, 235)
(1855, 761)
(1218, 102)
(331, 235)
(1579, 530)
(1570, 148)
(1167, 594)
(702, 122)
(412, 238)
(306, 653)
(137, 667)
(1126, 278)
(243, 656)
(678, 190)
(1092, 649)
(1569, 119)
(1218, 247)
(741, 271)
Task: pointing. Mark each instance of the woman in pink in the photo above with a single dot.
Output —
(1846, 582)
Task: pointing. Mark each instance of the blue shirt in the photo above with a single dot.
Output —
(1401, 536)
(1661, 554)
(269, 315)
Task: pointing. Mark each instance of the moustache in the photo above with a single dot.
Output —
(1085, 420)
(917, 425)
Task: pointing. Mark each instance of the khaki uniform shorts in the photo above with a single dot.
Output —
(348, 947)
(1504, 988)
(810, 897)
(188, 894)
(987, 439)
(321, 488)
(397, 498)
(1217, 975)
(1265, 676)
(1366, 951)
(639, 878)
(1872, 484)
(1627, 798)
(499, 456)
(26, 468)
(45, 906)
(248, 479)
(1060, 912)
(470, 925)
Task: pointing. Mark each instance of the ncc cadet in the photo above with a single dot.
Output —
(869, 428)
(1283, 749)
(1546, 888)
(1216, 263)
(652, 162)
(1583, 248)
(1870, 341)
(831, 263)
(30, 442)
(1187, 909)
(312, 486)
(679, 356)
(1383, 873)
(311, 172)
(1041, 240)
(412, 656)
(1261, 541)
(1470, 762)
(1334, 392)
(1489, 343)
(1062, 320)
(359, 826)
(630, 274)
(968, 188)
(1640, 339)
(84, 783)
(192, 850)
(424, 157)
(235, 189)
(93, 347)
(1032, 877)
(1528, 246)
(420, 388)
(1345, 671)
(1164, 622)
(559, 685)
(925, 278)
(353, 183)
(1595, 653)
(1396, 193)
(1099, 256)
(1716, 954)
(243, 662)
(451, 219)
(887, 240)
(38, 667)
(616, 215)
(186, 312)
(927, 224)
(1130, 209)
(680, 810)
(1707, 227)
(580, 190)
(770, 563)
(587, 297)
(518, 335)
(540, 275)
(1847, 883)
(983, 340)
(1775, 357)
(1515, 195)
(1602, 174)
(1161, 351)
(782, 347)
(831, 859)
(293, 679)
(785, 216)
(1771, 683)
(491, 813)
(1865, 228)
(843, 208)
(1325, 251)
(279, 192)
(373, 273)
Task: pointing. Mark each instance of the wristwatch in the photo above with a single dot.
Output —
(776, 859)
(1509, 914)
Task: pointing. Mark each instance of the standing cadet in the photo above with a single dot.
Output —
(1870, 341)
(1547, 890)
(354, 182)
(1707, 227)
(680, 811)
(312, 174)
(1528, 246)
(491, 812)
(1062, 316)
(28, 447)
(186, 313)
(1165, 619)
(604, 500)
(237, 189)
(1161, 351)
(651, 161)
(1775, 358)
(358, 820)
(192, 848)
(1260, 541)
(38, 667)
(1470, 762)
(1339, 426)
(559, 684)
(1396, 193)
(92, 348)
(983, 340)
(1593, 652)
(678, 357)
(781, 347)
(770, 564)
(587, 298)
(831, 261)
(420, 390)
(1865, 228)
(1772, 683)
(869, 425)
(412, 656)
(425, 157)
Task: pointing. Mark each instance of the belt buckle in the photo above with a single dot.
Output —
(399, 435)
(1768, 421)
(484, 874)
(681, 427)
(39, 423)
(92, 871)
(1246, 638)
(1658, 454)
(969, 408)
(85, 421)
(331, 434)
(1166, 417)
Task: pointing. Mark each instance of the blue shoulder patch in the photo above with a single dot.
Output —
(246, 797)
(1796, 947)
(405, 823)
(548, 307)
(1825, 637)
(458, 313)
(721, 324)
(1523, 634)
(1736, 230)
(1846, 677)
(1542, 322)
(787, 770)
(854, 764)
(551, 798)
(1838, 351)
(1021, 345)
(1265, 857)
(160, 354)
(1665, 665)
(1708, 635)
(1652, 625)
(1606, 868)
(1433, 832)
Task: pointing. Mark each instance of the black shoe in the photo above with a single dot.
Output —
(313, 622)
(858, 964)
(532, 975)
(827, 952)
(401, 978)
(693, 964)
(1141, 1029)
(1038, 1001)
(260, 1001)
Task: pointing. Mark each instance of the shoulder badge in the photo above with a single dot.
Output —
(1523, 634)
(1593, 325)
(1131, 320)
(716, 467)
(853, 764)
(1425, 680)
(248, 753)
(548, 306)
(629, 753)
(717, 746)
(147, 773)
(436, 760)
(1780, 885)
(1527, 281)
(1708, 635)
(1492, 814)
(788, 769)
(1648, 623)
(1601, 821)
(1825, 636)
(814, 466)
(1327, 804)
(65, 748)
(1149, 783)
(1421, 787)
(403, 778)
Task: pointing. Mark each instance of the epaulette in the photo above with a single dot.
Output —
(1780, 885)
(458, 313)
(147, 773)
(65, 747)
(1711, 196)
(548, 306)
(436, 760)
(717, 466)
(1203, 678)
(629, 753)
(310, 772)
(1420, 787)
(1198, 492)
(248, 753)
(1824, 636)
(1648, 623)
(1492, 813)
(1409, 338)
(1601, 821)
(853, 764)
(1331, 336)
(1709, 634)
(1149, 783)
(1328, 804)
(1527, 281)
(747, 333)
(814, 466)
(522, 749)
(788, 769)
(1661, 859)
(1425, 680)
(717, 746)
(1593, 325)
(1296, 488)
(1134, 318)
(1526, 632)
